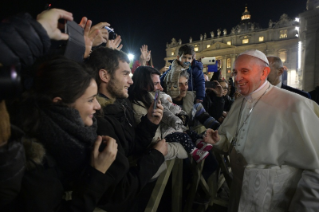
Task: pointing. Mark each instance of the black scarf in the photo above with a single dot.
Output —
(66, 139)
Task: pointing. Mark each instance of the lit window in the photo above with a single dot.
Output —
(261, 38)
(283, 34)
(283, 56)
(173, 53)
(229, 43)
(208, 46)
(245, 41)
(196, 49)
(228, 63)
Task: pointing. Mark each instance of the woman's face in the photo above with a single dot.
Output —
(87, 104)
(225, 88)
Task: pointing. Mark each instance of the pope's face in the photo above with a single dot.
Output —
(249, 74)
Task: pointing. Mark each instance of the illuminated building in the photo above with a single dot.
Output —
(295, 41)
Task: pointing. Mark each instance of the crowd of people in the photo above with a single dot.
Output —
(77, 132)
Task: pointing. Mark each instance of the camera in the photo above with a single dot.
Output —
(112, 34)
(211, 84)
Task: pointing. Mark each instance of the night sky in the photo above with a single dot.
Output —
(156, 22)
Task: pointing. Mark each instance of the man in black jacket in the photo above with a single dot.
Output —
(276, 70)
(112, 73)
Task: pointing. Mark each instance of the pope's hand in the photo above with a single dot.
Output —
(211, 136)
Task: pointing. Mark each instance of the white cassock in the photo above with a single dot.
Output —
(276, 167)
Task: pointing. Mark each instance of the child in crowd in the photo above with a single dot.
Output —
(186, 57)
(172, 124)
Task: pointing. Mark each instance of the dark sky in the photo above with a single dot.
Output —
(156, 22)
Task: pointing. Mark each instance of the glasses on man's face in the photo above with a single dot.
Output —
(225, 88)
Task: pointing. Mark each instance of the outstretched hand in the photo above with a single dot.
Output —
(155, 115)
(103, 34)
(49, 21)
(211, 136)
(102, 161)
(88, 36)
(115, 44)
(145, 55)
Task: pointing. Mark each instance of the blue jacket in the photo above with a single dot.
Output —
(196, 80)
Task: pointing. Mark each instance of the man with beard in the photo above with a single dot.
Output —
(112, 73)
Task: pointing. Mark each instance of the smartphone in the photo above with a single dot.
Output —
(210, 84)
(209, 60)
(156, 97)
(75, 47)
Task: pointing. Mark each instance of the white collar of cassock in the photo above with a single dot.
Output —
(258, 92)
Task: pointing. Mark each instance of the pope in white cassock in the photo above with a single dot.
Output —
(272, 136)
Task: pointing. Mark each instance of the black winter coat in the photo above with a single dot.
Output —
(133, 140)
(43, 185)
(12, 163)
(22, 41)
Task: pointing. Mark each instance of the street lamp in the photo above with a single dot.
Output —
(130, 56)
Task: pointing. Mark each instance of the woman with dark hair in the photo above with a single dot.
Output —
(141, 96)
(58, 120)
(172, 126)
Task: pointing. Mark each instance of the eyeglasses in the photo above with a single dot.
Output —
(225, 88)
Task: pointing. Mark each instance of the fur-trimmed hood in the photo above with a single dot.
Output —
(34, 153)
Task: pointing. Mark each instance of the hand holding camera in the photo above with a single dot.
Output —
(49, 21)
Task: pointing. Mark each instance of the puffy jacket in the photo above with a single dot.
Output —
(22, 41)
(196, 80)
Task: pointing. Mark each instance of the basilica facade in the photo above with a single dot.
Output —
(295, 41)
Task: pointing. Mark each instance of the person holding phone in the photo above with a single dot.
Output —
(62, 148)
(173, 125)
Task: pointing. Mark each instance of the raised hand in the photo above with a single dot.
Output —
(115, 44)
(145, 55)
(88, 36)
(161, 146)
(211, 136)
(103, 35)
(49, 21)
(102, 161)
(155, 115)
(218, 90)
